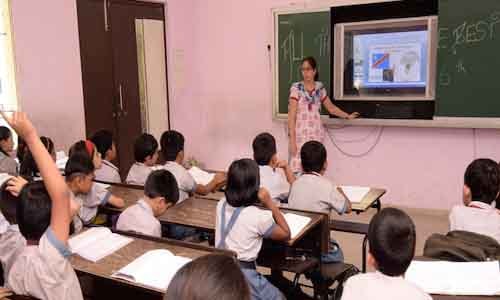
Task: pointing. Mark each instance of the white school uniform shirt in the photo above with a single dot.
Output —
(12, 244)
(139, 218)
(477, 217)
(313, 192)
(8, 164)
(377, 286)
(245, 238)
(89, 204)
(184, 180)
(108, 173)
(138, 174)
(44, 271)
(274, 180)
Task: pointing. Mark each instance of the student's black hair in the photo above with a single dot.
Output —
(8, 204)
(264, 147)
(21, 149)
(161, 183)
(33, 210)
(312, 62)
(391, 236)
(313, 156)
(80, 147)
(243, 183)
(4, 135)
(145, 145)
(103, 141)
(482, 176)
(28, 168)
(78, 164)
(172, 142)
(210, 277)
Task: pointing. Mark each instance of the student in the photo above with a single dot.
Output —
(481, 188)
(210, 277)
(241, 226)
(276, 182)
(146, 155)
(28, 168)
(87, 147)
(391, 238)
(88, 195)
(160, 193)
(172, 147)
(42, 269)
(103, 141)
(7, 163)
(21, 149)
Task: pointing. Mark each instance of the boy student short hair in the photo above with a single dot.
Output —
(33, 210)
(83, 147)
(103, 141)
(243, 183)
(161, 183)
(8, 204)
(78, 164)
(313, 156)
(172, 142)
(4, 135)
(391, 236)
(210, 277)
(264, 147)
(28, 167)
(145, 145)
(482, 177)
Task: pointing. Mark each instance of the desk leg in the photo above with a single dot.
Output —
(363, 254)
(377, 205)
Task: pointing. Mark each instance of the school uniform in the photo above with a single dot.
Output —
(138, 174)
(312, 191)
(44, 271)
(242, 230)
(89, 204)
(8, 164)
(185, 181)
(108, 173)
(274, 181)
(12, 244)
(139, 218)
(377, 286)
(478, 217)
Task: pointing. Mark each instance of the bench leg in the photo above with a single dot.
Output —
(363, 254)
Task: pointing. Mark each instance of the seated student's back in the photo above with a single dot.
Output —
(391, 237)
(105, 145)
(146, 155)
(160, 193)
(7, 163)
(478, 213)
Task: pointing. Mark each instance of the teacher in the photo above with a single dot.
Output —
(304, 104)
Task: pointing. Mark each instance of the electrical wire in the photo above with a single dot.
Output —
(357, 155)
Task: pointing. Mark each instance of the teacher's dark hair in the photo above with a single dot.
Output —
(312, 62)
(210, 277)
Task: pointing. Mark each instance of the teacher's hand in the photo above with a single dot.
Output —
(293, 148)
(354, 115)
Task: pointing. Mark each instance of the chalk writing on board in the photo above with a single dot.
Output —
(444, 78)
(289, 53)
(461, 67)
(323, 42)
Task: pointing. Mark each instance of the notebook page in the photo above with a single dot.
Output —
(296, 223)
(455, 278)
(200, 176)
(104, 247)
(88, 237)
(355, 194)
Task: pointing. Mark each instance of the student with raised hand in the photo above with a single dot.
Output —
(105, 145)
(210, 277)
(391, 238)
(7, 163)
(172, 148)
(241, 226)
(480, 192)
(42, 269)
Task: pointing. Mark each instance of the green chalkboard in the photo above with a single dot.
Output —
(299, 35)
(468, 78)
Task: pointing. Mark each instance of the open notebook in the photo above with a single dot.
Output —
(155, 269)
(296, 223)
(355, 194)
(455, 278)
(200, 176)
(97, 243)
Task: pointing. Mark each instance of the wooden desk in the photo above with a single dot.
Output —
(211, 196)
(353, 227)
(372, 199)
(104, 268)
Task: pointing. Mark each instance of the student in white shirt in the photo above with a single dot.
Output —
(160, 193)
(42, 269)
(481, 189)
(28, 168)
(391, 237)
(241, 226)
(275, 175)
(7, 163)
(146, 155)
(105, 145)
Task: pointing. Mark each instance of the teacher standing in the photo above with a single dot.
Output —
(304, 104)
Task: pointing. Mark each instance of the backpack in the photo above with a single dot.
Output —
(462, 246)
